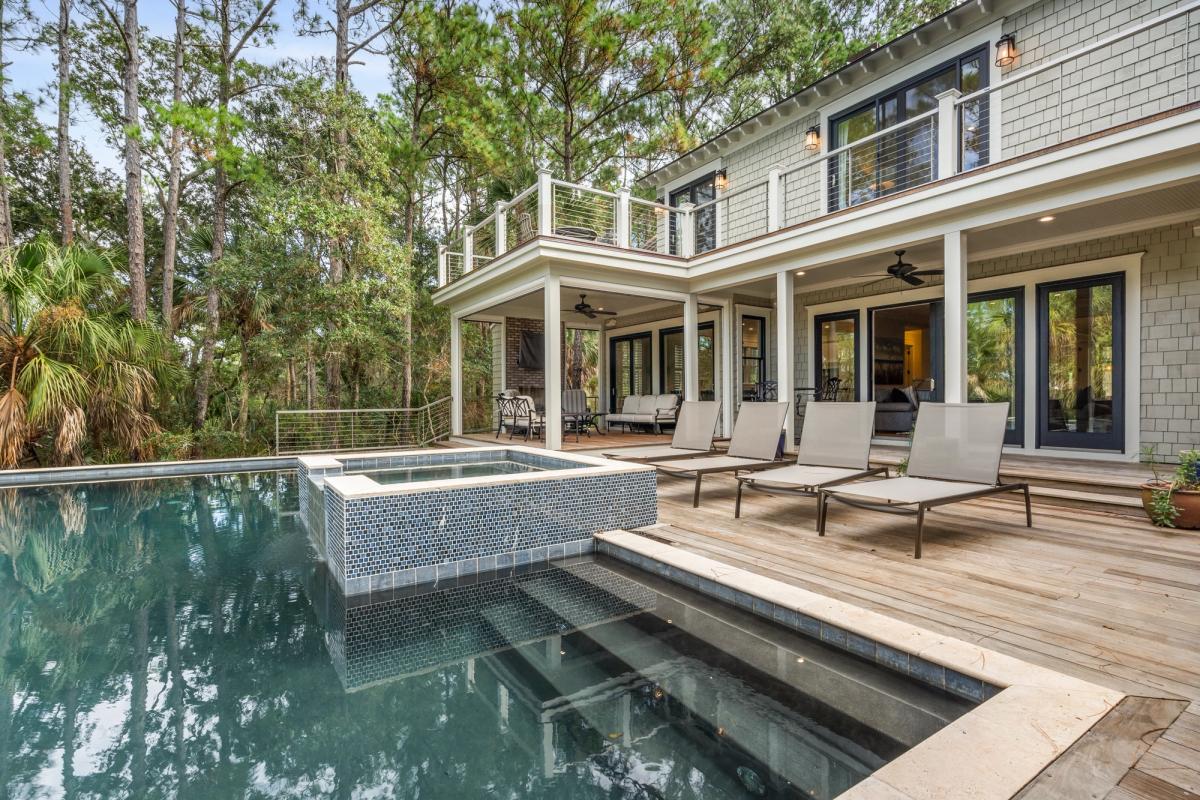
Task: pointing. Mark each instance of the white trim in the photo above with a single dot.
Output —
(1027, 280)
(623, 288)
(663, 190)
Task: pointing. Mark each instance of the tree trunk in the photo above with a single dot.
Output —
(136, 238)
(171, 212)
(6, 229)
(341, 138)
(244, 394)
(310, 377)
(64, 122)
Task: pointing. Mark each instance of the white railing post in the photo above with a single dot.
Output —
(456, 377)
(774, 199)
(443, 266)
(947, 133)
(687, 230)
(501, 229)
(545, 203)
(468, 249)
(622, 217)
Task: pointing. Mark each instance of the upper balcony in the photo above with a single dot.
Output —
(1139, 72)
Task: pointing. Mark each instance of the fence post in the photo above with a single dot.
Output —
(501, 228)
(687, 230)
(622, 217)
(774, 199)
(947, 133)
(443, 265)
(545, 203)
(276, 433)
(468, 249)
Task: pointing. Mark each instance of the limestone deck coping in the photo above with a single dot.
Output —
(992, 751)
(358, 486)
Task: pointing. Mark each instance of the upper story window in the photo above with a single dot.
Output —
(906, 157)
(705, 220)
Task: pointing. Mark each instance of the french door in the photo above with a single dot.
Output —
(630, 369)
(995, 355)
(1081, 363)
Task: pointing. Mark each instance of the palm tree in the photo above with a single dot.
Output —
(73, 363)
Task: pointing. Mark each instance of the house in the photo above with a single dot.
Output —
(1001, 204)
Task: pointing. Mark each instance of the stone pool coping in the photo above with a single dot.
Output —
(357, 486)
(990, 753)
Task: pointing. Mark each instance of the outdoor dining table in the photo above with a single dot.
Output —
(576, 232)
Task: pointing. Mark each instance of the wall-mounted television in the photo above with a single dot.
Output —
(531, 353)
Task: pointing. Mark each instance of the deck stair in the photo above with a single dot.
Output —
(1113, 486)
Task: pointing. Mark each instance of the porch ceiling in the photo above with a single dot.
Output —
(1162, 206)
(530, 306)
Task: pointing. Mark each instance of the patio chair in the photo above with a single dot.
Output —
(694, 429)
(576, 415)
(755, 442)
(955, 456)
(835, 447)
(520, 414)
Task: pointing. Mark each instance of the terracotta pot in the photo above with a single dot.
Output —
(1186, 502)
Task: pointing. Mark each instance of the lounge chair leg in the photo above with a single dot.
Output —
(1028, 508)
(822, 509)
(920, 529)
(737, 505)
(696, 493)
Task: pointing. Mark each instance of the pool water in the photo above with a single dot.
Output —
(441, 472)
(177, 638)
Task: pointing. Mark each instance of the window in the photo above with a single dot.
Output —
(629, 370)
(705, 221)
(907, 157)
(995, 355)
(671, 361)
(837, 354)
(754, 362)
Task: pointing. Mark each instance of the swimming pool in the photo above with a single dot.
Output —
(448, 472)
(178, 637)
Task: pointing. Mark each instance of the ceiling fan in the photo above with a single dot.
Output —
(907, 272)
(585, 308)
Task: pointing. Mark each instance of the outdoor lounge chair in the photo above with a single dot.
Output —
(835, 447)
(955, 455)
(753, 446)
(693, 435)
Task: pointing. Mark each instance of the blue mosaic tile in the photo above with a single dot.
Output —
(891, 658)
(964, 686)
(860, 645)
(927, 671)
(833, 635)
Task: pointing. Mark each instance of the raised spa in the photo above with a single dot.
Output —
(385, 520)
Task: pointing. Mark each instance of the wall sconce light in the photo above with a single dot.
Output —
(1006, 50)
(721, 182)
(812, 138)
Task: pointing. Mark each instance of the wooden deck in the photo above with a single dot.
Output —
(1103, 596)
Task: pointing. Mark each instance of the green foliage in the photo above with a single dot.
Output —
(1162, 511)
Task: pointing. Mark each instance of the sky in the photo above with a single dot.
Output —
(34, 71)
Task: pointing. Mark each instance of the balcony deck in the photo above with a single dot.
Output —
(1104, 597)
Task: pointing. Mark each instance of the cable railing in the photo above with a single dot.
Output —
(337, 430)
(1131, 74)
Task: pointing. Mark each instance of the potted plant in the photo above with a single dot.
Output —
(1174, 502)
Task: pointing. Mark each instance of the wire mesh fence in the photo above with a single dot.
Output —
(335, 430)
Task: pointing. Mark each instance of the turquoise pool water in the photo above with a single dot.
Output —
(176, 638)
(441, 472)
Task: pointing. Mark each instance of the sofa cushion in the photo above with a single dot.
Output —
(630, 404)
(666, 403)
(647, 404)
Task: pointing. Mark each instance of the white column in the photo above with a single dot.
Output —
(686, 228)
(545, 203)
(468, 249)
(947, 133)
(729, 346)
(456, 376)
(443, 266)
(955, 316)
(501, 228)
(602, 373)
(622, 217)
(785, 361)
(691, 349)
(553, 362)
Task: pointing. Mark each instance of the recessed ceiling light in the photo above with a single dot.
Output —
(800, 272)
(1047, 218)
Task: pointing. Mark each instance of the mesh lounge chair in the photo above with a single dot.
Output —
(693, 435)
(835, 446)
(955, 456)
(753, 446)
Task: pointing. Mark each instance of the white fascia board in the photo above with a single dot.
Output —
(1165, 151)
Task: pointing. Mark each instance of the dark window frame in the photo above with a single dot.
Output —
(1114, 440)
(762, 347)
(612, 363)
(663, 333)
(1015, 437)
(711, 211)
(896, 92)
(835, 317)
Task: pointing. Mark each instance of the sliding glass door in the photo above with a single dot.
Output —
(837, 355)
(995, 364)
(630, 369)
(671, 361)
(1081, 363)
